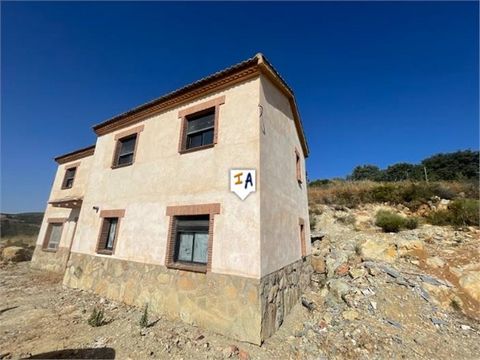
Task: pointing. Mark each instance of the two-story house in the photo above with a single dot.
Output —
(147, 216)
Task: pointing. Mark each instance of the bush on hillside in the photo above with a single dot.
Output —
(410, 223)
(391, 222)
(461, 212)
(385, 193)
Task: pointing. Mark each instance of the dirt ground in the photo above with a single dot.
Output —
(360, 309)
(42, 319)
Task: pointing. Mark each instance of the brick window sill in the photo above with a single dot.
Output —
(105, 252)
(188, 267)
(121, 166)
(50, 250)
(186, 151)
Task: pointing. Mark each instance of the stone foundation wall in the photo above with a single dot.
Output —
(49, 260)
(226, 304)
(243, 308)
(280, 291)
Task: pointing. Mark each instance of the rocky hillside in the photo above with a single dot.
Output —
(412, 294)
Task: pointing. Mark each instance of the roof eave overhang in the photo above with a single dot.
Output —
(239, 73)
(75, 155)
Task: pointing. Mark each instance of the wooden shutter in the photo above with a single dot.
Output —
(102, 240)
(116, 153)
(298, 167)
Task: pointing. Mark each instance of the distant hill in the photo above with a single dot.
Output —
(23, 224)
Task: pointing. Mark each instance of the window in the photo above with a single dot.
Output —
(190, 236)
(200, 129)
(191, 245)
(69, 177)
(108, 235)
(53, 236)
(298, 166)
(199, 126)
(125, 151)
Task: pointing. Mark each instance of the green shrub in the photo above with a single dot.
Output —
(440, 217)
(96, 318)
(460, 212)
(391, 222)
(388, 221)
(466, 212)
(385, 193)
(410, 223)
(416, 194)
(144, 319)
(444, 192)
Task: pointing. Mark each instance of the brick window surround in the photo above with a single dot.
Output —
(52, 221)
(118, 214)
(74, 167)
(185, 113)
(303, 245)
(201, 209)
(298, 166)
(135, 131)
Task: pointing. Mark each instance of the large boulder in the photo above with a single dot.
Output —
(407, 246)
(470, 282)
(318, 264)
(378, 251)
(435, 262)
(14, 254)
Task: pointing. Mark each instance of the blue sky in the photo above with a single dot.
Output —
(375, 82)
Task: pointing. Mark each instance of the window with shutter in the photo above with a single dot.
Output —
(108, 235)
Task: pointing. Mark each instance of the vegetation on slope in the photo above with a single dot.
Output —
(456, 166)
(24, 224)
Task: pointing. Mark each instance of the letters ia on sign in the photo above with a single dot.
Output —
(242, 182)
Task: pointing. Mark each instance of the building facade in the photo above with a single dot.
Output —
(147, 216)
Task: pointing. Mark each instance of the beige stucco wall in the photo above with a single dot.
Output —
(79, 183)
(283, 201)
(57, 193)
(162, 177)
(56, 261)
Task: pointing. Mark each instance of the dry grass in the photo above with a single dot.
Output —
(411, 194)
